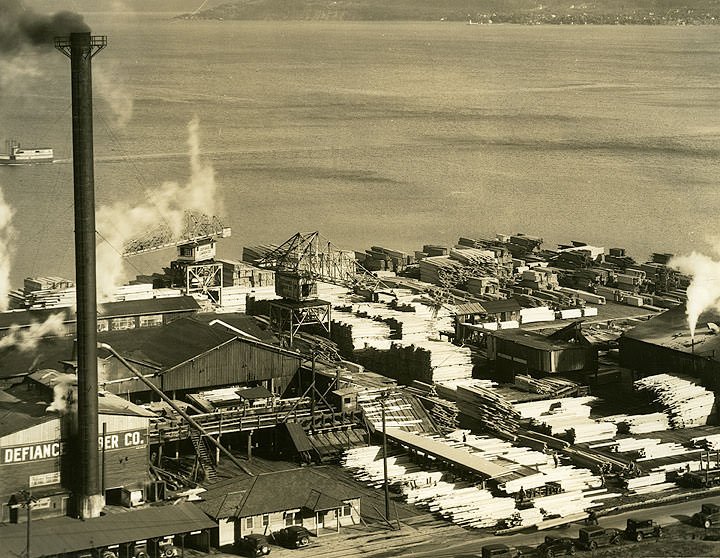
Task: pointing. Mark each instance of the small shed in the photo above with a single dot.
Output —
(345, 399)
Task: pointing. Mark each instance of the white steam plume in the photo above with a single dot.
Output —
(118, 98)
(7, 249)
(64, 399)
(27, 338)
(704, 290)
(122, 221)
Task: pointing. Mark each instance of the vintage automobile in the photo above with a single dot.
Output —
(294, 536)
(708, 515)
(592, 537)
(253, 544)
(556, 546)
(639, 529)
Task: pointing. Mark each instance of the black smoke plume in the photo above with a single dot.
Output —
(21, 26)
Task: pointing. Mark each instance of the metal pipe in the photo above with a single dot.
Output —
(172, 404)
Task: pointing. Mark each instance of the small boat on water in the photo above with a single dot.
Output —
(17, 155)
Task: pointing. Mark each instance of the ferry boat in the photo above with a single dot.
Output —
(20, 156)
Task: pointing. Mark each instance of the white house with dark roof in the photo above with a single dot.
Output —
(269, 502)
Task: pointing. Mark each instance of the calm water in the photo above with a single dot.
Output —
(395, 134)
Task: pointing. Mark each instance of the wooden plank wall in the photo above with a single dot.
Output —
(235, 362)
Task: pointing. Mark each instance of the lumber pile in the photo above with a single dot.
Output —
(640, 424)
(685, 402)
(555, 387)
(486, 407)
(569, 417)
(443, 412)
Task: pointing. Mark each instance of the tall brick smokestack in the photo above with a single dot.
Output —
(80, 48)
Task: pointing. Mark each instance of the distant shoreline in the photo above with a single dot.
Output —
(488, 12)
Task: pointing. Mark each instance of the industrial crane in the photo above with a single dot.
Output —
(195, 263)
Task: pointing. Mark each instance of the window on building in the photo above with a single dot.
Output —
(346, 510)
(122, 323)
(266, 520)
(293, 518)
(153, 320)
(249, 522)
(347, 400)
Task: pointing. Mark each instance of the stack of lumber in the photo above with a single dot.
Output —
(473, 506)
(486, 407)
(467, 256)
(50, 298)
(592, 431)
(626, 445)
(538, 314)
(443, 412)
(492, 449)
(640, 424)
(363, 332)
(133, 292)
(685, 402)
(569, 416)
(556, 387)
(657, 451)
(653, 478)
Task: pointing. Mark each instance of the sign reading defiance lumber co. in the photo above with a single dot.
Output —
(49, 450)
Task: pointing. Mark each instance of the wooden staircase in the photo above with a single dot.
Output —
(206, 462)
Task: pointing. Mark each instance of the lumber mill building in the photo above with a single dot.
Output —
(38, 446)
(518, 351)
(664, 343)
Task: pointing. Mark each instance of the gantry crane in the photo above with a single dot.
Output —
(195, 262)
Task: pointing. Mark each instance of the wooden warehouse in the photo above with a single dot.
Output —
(188, 355)
(516, 351)
(664, 343)
(38, 446)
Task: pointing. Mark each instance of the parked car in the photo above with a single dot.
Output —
(253, 544)
(639, 529)
(499, 551)
(708, 515)
(504, 551)
(592, 537)
(556, 546)
(294, 536)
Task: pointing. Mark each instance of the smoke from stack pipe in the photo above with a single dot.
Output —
(704, 290)
(22, 27)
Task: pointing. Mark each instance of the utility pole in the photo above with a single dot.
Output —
(383, 397)
(27, 502)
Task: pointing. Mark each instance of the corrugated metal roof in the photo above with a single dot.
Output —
(273, 492)
(463, 458)
(105, 310)
(533, 340)
(59, 535)
(168, 345)
(670, 329)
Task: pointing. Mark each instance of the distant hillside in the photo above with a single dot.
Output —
(650, 12)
